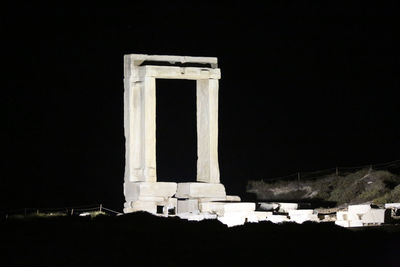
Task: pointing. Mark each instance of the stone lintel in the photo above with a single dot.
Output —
(168, 72)
(138, 59)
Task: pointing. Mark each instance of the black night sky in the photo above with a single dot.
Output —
(304, 87)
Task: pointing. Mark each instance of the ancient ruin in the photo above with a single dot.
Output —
(206, 197)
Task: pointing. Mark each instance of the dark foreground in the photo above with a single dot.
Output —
(143, 240)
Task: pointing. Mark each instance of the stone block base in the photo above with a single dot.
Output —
(356, 224)
(197, 217)
(277, 218)
(148, 191)
(222, 208)
(342, 223)
(234, 218)
(200, 190)
(258, 216)
(168, 205)
(149, 206)
(188, 206)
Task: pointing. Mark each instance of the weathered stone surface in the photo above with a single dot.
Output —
(359, 209)
(211, 199)
(188, 206)
(197, 217)
(207, 131)
(346, 216)
(343, 223)
(186, 73)
(281, 207)
(232, 198)
(360, 215)
(171, 203)
(374, 216)
(327, 217)
(277, 218)
(342, 216)
(140, 125)
(268, 206)
(233, 219)
(200, 190)
(221, 208)
(300, 216)
(258, 216)
(142, 206)
(140, 113)
(300, 212)
(356, 224)
(135, 190)
(138, 59)
(154, 199)
(286, 207)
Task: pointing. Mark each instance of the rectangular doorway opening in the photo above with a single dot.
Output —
(176, 130)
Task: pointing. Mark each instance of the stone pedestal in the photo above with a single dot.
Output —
(200, 190)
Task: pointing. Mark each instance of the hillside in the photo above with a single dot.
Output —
(361, 186)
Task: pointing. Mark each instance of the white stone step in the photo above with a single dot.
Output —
(200, 190)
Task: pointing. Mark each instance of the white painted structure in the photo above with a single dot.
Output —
(360, 215)
(392, 206)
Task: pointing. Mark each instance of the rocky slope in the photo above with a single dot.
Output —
(362, 186)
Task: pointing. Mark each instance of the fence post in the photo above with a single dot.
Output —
(72, 211)
(337, 171)
(298, 176)
(101, 206)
